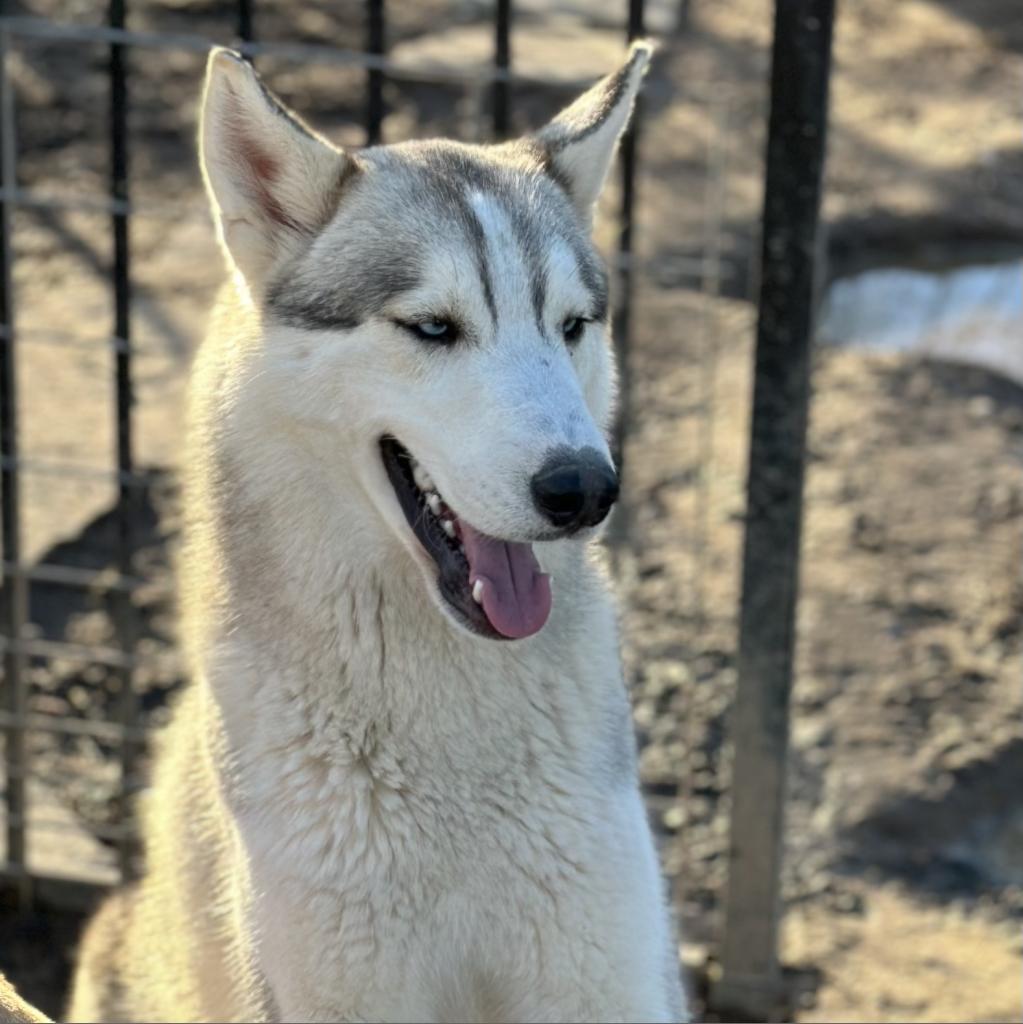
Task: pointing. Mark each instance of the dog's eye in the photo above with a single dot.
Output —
(442, 331)
(572, 328)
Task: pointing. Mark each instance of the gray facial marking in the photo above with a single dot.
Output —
(538, 290)
(436, 179)
(448, 170)
(479, 246)
(358, 289)
(593, 275)
(536, 213)
(534, 229)
(529, 232)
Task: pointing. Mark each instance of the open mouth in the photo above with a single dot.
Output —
(495, 587)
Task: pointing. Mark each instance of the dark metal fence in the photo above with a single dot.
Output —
(774, 503)
(121, 42)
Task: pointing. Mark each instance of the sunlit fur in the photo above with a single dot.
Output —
(361, 811)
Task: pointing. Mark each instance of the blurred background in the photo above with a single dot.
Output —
(900, 888)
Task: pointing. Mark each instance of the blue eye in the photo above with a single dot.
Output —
(433, 328)
(443, 331)
(572, 328)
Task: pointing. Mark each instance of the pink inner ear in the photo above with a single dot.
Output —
(263, 170)
(259, 167)
(263, 166)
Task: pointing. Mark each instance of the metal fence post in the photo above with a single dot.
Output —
(15, 591)
(750, 984)
(129, 494)
(501, 90)
(635, 28)
(375, 45)
(246, 21)
(628, 154)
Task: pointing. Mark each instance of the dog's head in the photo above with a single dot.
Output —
(439, 312)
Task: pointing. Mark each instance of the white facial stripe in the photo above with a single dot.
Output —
(508, 272)
(534, 276)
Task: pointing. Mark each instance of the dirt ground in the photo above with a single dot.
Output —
(903, 880)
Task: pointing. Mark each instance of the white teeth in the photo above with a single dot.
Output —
(423, 479)
(477, 591)
(433, 500)
(449, 527)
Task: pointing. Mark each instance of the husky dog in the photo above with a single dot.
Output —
(402, 785)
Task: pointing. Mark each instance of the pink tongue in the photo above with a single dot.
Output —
(516, 594)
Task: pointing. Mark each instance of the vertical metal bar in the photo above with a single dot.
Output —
(128, 495)
(622, 322)
(801, 60)
(682, 16)
(375, 45)
(15, 593)
(246, 24)
(501, 96)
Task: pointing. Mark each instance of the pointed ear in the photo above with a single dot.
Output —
(580, 142)
(272, 181)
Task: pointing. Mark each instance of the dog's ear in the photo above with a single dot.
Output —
(579, 144)
(272, 181)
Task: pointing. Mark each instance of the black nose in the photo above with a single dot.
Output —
(575, 489)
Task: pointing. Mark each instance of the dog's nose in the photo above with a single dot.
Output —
(575, 489)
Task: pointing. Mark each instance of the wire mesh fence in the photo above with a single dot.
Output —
(108, 270)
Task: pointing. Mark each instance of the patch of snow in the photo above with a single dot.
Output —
(970, 314)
